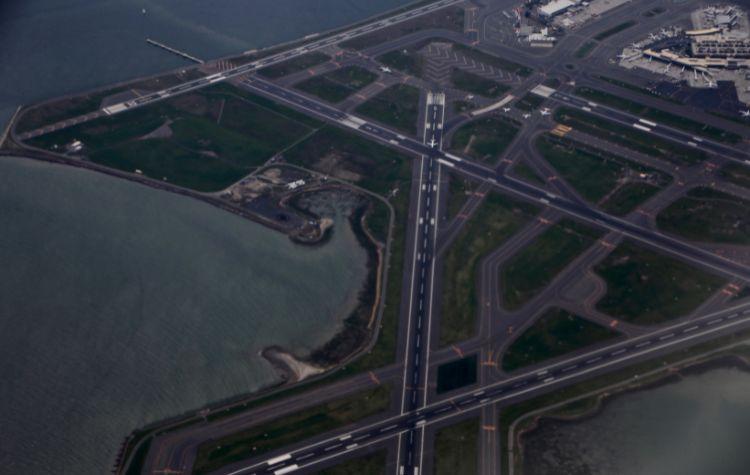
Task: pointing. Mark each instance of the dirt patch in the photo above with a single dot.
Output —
(333, 164)
(291, 369)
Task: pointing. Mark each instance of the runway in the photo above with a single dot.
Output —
(509, 184)
(648, 126)
(530, 382)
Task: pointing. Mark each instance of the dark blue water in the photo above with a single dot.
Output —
(54, 47)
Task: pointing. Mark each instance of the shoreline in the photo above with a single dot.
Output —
(597, 403)
(290, 368)
(357, 328)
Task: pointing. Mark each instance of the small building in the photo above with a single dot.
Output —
(555, 7)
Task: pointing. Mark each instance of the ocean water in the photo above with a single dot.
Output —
(121, 305)
(50, 48)
(697, 426)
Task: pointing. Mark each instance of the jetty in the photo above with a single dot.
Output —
(174, 51)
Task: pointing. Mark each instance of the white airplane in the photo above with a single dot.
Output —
(526, 116)
(545, 111)
(386, 69)
(432, 143)
(506, 109)
(745, 113)
(711, 83)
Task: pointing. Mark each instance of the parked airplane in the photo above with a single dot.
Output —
(545, 111)
(526, 116)
(432, 143)
(386, 69)
(506, 109)
(745, 113)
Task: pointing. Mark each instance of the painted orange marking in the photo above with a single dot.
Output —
(614, 323)
(458, 351)
(606, 244)
(488, 428)
(374, 378)
(544, 221)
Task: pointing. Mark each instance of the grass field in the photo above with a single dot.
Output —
(629, 137)
(534, 267)
(614, 30)
(484, 139)
(349, 157)
(658, 115)
(585, 49)
(525, 172)
(460, 189)
(457, 448)
(407, 61)
(496, 220)
(477, 84)
(736, 173)
(61, 109)
(705, 214)
(616, 184)
(263, 438)
(372, 464)
(645, 287)
(294, 65)
(555, 333)
(457, 374)
(397, 106)
(339, 84)
(204, 140)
